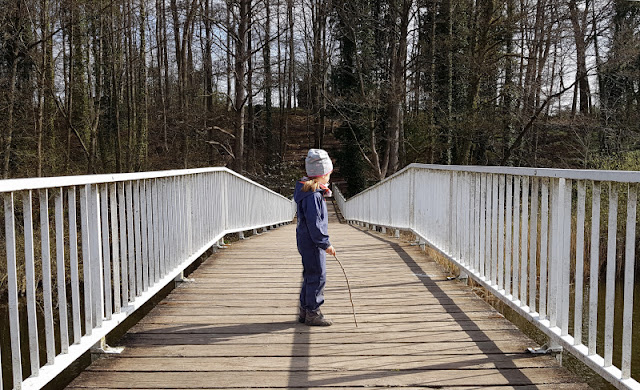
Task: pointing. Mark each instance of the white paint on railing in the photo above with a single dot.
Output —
(511, 230)
(138, 232)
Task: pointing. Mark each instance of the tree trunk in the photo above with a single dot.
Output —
(578, 22)
(507, 89)
(143, 91)
(44, 28)
(229, 51)
(10, 110)
(292, 56)
(240, 86)
(400, 12)
(208, 78)
(449, 125)
(266, 55)
(251, 156)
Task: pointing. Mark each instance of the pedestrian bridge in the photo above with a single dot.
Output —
(104, 245)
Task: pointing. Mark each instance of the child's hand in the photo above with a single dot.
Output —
(331, 250)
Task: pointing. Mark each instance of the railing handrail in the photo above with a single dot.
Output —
(487, 221)
(556, 173)
(34, 183)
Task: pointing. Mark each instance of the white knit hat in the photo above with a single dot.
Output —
(318, 163)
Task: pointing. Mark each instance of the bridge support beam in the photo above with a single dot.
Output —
(384, 230)
(397, 235)
(255, 232)
(241, 235)
(102, 348)
(551, 347)
(182, 279)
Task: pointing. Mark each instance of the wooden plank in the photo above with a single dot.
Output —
(178, 336)
(318, 363)
(235, 327)
(365, 378)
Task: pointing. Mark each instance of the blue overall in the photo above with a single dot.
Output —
(312, 237)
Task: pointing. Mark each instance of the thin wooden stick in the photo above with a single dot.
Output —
(349, 288)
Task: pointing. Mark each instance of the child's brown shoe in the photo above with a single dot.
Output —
(315, 318)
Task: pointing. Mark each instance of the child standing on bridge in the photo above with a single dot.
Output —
(312, 235)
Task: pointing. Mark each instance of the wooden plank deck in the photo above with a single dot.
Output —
(235, 327)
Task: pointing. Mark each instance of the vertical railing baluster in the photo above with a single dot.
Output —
(172, 226)
(189, 182)
(594, 266)
(184, 240)
(544, 245)
(450, 242)
(144, 243)
(137, 237)
(97, 269)
(106, 250)
(629, 269)
(179, 202)
(611, 274)
(61, 277)
(554, 261)
(472, 220)
(74, 266)
(508, 252)
(115, 247)
(501, 234)
(524, 241)
(124, 234)
(483, 225)
(12, 286)
(150, 226)
(47, 290)
(533, 244)
(151, 258)
(164, 204)
(86, 262)
(157, 224)
(580, 210)
(565, 255)
(488, 231)
(30, 275)
(515, 267)
(476, 221)
(131, 242)
(495, 232)
(469, 218)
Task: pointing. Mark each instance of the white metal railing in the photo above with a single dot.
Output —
(525, 234)
(119, 239)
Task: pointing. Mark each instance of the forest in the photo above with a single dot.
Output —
(100, 86)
